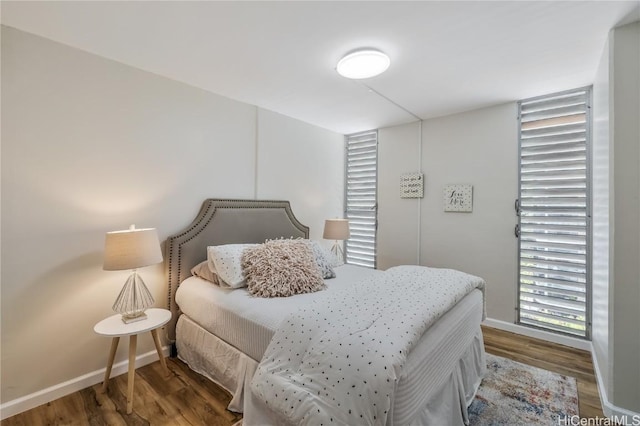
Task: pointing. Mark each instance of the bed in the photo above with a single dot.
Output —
(223, 334)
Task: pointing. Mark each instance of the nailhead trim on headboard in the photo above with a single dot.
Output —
(176, 271)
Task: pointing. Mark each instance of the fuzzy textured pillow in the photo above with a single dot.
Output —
(281, 268)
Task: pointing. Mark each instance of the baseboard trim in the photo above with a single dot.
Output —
(618, 414)
(585, 345)
(49, 394)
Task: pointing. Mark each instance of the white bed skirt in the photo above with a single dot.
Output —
(215, 359)
(233, 370)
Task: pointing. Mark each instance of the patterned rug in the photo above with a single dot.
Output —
(512, 393)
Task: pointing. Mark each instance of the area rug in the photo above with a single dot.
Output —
(517, 394)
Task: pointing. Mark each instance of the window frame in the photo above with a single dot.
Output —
(373, 264)
(588, 211)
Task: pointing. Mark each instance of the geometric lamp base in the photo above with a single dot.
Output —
(337, 250)
(130, 319)
(133, 300)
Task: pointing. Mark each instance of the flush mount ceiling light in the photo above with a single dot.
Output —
(363, 63)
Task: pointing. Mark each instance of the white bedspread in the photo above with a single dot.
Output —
(338, 359)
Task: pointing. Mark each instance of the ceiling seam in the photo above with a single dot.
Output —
(391, 101)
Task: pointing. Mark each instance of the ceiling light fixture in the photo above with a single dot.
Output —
(363, 63)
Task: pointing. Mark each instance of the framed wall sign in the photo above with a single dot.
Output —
(412, 185)
(458, 198)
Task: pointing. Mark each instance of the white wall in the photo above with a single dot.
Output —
(398, 218)
(601, 171)
(90, 145)
(625, 273)
(616, 222)
(479, 148)
(303, 164)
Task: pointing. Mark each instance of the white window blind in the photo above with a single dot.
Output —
(554, 213)
(361, 197)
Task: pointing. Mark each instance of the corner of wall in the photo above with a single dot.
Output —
(625, 231)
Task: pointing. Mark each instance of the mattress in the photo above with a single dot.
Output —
(246, 322)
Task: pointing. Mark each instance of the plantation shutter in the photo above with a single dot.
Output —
(554, 213)
(361, 197)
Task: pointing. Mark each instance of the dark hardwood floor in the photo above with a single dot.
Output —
(186, 398)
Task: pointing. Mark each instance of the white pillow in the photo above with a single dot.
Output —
(226, 260)
(202, 270)
(324, 264)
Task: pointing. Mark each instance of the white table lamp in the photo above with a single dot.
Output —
(337, 230)
(132, 249)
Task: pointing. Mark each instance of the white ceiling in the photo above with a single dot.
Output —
(446, 57)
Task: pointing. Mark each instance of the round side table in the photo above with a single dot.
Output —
(114, 327)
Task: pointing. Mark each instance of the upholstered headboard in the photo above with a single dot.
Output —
(224, 222)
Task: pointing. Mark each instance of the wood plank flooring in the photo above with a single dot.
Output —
(186, 398)
(182, 398)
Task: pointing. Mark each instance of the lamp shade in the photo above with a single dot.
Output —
(131, 249)
(336, 229)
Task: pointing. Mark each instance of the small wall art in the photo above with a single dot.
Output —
(412, 185)
(458, 198)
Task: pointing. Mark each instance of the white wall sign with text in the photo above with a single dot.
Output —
(412, 185)
(458, 198)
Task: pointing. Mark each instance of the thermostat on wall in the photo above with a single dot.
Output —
(412, 185)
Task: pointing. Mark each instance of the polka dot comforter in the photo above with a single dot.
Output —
(337, 360)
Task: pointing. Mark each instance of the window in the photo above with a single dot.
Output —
(554, 212)
(361, 197)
